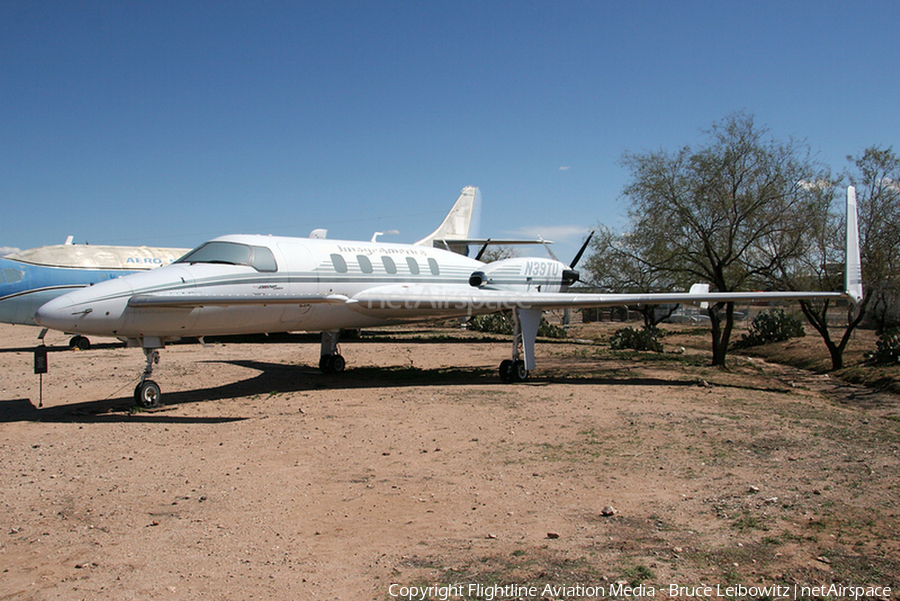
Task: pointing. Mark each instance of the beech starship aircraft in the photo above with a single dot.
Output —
(250, 284)
(30, 278)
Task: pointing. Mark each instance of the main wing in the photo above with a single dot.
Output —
(442, 299)
(455, 299)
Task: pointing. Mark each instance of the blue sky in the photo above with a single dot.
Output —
(168, 123)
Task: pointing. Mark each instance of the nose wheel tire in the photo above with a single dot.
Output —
(147, 394)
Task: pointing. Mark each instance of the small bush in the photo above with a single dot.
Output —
(548, 330)
(645, 339)
(887, 347)
(502, 323)
(772, 326)
(493, 323)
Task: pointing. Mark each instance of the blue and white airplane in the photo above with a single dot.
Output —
(249, 284)
(30, 278)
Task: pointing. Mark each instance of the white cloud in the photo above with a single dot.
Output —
(8, 250)
(557, 233)
(819, 184)
(564, 168)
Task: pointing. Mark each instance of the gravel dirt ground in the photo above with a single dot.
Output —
(261, 478)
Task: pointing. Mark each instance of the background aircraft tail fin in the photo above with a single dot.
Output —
(461, 223)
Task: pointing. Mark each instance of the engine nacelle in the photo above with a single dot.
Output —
(524, 274)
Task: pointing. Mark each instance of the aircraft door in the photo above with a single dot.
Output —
(302, 279)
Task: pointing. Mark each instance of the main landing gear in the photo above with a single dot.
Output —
(82, 343)
(330, 360)
(147, 393)
(525, 327)
(513, 371)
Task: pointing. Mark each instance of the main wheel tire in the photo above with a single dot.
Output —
(506, 370)
(79, 342)
(336, 364)
(148, 394)
(518, 373)
(332, 364)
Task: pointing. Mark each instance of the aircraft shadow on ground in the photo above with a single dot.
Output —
(106, 411)
(275, 378)
(62, 348)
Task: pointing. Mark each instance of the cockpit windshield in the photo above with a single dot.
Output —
(259, 258)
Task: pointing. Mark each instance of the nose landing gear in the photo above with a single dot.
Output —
(147, 393)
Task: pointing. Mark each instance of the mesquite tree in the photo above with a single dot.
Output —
(727, 213)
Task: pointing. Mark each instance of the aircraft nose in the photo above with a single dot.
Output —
(56, 314)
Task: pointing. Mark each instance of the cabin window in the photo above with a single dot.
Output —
(340, 265)
(364, 263)
(413, 265)
(433, 265)
(263, 260)
(389, 265)
(259, 258)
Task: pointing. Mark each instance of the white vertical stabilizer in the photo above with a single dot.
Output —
(461, 223)
(853, 268)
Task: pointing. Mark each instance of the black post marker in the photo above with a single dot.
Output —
(40, 368)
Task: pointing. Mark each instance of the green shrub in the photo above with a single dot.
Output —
(772, 326)
(549, 330)
(887, 347)
(644, 339)
(502, 323)
(493, 323)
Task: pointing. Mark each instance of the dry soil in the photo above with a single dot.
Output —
(261, 478)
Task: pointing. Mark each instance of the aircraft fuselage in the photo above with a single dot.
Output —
(252, 284)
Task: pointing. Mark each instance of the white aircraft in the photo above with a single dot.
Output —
(249, 284)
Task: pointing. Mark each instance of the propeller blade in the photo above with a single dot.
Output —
(581, 252)
(547, 246)
(483, 248)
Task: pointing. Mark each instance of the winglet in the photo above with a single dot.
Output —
(700, 289)
(853, 267)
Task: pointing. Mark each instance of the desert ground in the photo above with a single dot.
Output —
(607, 474)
